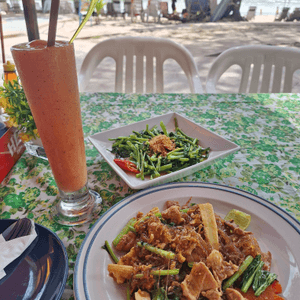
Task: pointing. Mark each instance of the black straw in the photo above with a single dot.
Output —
(53, 22)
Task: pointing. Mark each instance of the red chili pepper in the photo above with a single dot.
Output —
(277, 287)
(126, 165)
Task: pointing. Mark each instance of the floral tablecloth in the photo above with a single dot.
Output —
(265, 126)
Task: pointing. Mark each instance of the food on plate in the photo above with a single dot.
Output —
(190, 253)
(154, 152)
(240, 218)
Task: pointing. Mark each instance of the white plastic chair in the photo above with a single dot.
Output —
(137, 10)
(153, 10)
(141, 55)
(265, 69)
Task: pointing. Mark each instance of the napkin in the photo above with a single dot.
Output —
(12, 249)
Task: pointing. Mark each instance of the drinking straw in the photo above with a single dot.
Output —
(31, 20)
(87, 16)
(2, 42)
(53, 23)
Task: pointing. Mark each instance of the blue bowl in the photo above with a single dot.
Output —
(40, 272)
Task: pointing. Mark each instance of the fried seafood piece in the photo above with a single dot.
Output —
(173, 214)
(210, 225)
(190, 244)
(120, 272)
(153, 232)
(221, 269)
(233, 294)
(129, 258)
(200, 279)
(127, 242)
(146, 282)
(141, 217)
(170, 203)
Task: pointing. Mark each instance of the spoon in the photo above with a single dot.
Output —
(20, 228)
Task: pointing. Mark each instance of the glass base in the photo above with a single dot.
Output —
(76, 208)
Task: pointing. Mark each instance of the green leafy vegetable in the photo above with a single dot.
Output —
(108, 248)
(262, 280)
(125, 230)
(237, 274)
(249, 274)
(160, 273)
(136, 148)
(161, 252)
(159, 294)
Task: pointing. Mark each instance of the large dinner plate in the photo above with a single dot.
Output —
(42, 273)
(220, 147)
(275, 230)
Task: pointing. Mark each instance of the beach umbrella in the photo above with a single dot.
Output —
(31, 20)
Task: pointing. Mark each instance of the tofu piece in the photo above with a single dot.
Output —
(200, 279)
(233, 294)
(210, 224)
(120, 272)
(142, 295)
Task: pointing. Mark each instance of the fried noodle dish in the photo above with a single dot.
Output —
(189, 252)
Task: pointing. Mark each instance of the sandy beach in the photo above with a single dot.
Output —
(205, 41)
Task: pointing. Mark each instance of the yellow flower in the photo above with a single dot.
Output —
(4, 103)
(35, 131)
(12, 122)
(25, 137)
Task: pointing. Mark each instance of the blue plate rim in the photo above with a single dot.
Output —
(283, 214)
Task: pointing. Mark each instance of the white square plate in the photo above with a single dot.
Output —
(220, 147)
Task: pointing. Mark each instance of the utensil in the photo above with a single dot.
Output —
(20, 228)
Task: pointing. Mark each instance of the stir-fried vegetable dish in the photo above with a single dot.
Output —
(154, 152)
(189, 252)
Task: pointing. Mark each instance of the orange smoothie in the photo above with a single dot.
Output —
(48, 76)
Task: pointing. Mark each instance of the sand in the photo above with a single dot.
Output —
(205, 41)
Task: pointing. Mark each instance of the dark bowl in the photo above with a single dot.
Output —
(40, 272)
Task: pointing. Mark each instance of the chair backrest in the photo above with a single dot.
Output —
(251, 13)
(284, 14)
(136, 7)
(153, 8)
(265, 69)
(164, 8)
(127, 7)
(139, 56)
(117, 6)
(110, 8)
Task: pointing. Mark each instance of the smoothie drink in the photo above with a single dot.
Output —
(48, 76)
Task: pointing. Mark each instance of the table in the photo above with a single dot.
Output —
(265, 126)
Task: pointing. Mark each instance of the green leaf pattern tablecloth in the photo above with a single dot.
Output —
(265, 126)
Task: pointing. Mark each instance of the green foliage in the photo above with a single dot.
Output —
(99, 5)
(17, 108)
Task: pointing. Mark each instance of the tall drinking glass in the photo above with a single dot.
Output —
(49, 79)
